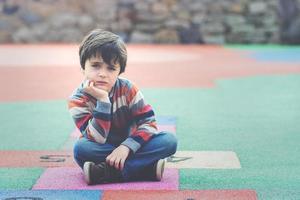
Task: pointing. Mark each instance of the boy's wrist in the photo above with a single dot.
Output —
(103, 99)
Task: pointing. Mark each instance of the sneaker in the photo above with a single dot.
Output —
(159, 169)
(100, 173)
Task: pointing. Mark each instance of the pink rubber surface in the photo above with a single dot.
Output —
(37, 159)
(45, 78)
(66, 178)
(181, 195)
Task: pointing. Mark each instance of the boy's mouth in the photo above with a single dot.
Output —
(100, 83)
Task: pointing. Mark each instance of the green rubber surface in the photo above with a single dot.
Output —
(19, 178)
(34, 125)
(238, 114)
(256, 117)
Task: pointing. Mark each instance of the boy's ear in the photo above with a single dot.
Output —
(82, 70)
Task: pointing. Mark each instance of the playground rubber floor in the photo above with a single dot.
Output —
(234, 109)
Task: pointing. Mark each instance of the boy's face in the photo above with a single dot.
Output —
(102, 74)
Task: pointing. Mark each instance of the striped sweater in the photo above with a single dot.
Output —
(126, 120)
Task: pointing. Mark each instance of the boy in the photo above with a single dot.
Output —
(119, 141)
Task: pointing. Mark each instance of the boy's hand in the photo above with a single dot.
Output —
(101, 95)
(118, 156)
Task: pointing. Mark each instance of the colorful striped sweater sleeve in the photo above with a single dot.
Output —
(144, 118)
(91, 117)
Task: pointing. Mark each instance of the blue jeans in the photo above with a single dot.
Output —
(158, 147)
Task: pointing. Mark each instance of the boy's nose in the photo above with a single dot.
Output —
(101, 73)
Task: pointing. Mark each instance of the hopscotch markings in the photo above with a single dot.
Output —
(61, 158)
(204, 160)
(43, 158)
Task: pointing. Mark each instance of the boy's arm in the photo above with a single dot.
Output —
(143, 115)
(93, 124)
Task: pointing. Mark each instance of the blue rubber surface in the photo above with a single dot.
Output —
(166, 120)
(292, 55)
(50, 194)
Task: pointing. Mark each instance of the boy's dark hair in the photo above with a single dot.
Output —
(110, 46)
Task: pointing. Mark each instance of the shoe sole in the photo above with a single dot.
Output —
(86, 172)
(160, 169)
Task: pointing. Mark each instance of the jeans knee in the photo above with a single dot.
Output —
(79, 149)
(170, 142)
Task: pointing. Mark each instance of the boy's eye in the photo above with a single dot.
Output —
(112, 68)
(95, 65)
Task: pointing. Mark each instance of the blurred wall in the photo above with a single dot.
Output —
(152, 21)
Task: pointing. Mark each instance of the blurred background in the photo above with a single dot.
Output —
(152, 21)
